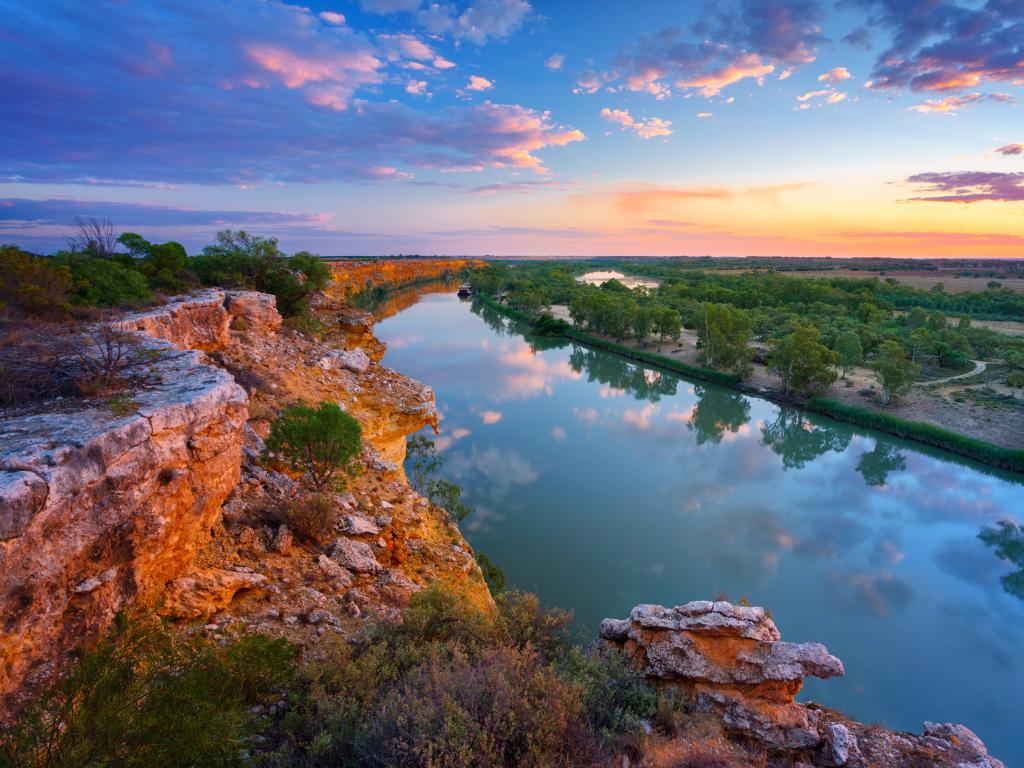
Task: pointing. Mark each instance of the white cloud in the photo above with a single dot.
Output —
(555, 61)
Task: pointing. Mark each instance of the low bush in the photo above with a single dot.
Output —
(31, 285)
(146, 697)
(100, 282)
(1015, 379)
(44, 361)
(312, 517)
(503, 707)
(321, 442)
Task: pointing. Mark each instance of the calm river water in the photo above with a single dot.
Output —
(600, 484)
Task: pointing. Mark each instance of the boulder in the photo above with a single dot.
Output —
(206, 591)
(355, 556)
(729, 659)
(256, 312)
(354, 360)
(357, 525)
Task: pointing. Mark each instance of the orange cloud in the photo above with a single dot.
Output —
(711, 84)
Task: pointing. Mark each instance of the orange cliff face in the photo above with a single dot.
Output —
(355, 276)
(100, 512)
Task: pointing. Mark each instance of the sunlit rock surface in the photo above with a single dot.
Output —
(731, 660)
(98, 510)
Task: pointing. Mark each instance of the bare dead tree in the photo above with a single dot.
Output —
(49, 360)
(92, 234)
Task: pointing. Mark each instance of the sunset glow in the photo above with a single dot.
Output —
(510, 127)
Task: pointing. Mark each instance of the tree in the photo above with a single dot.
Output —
(578, 310)
(804, 364)
(96, 236)
(849, 350)
(642, 321)
(321, 442)
(667, 323)
(722, 335)
(894, 371)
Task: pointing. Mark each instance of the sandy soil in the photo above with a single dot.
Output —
(981, 411)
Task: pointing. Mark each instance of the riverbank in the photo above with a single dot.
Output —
(934, 435)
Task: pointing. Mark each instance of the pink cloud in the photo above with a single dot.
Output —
(555, 61)
(477, 83)
(491, 417)
(712, 83)
(645, 129)
(1011, 149)
(835, 75)
(331, 17)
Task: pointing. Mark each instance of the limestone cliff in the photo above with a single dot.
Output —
(103, 508)
(353, 276)
(100, 510)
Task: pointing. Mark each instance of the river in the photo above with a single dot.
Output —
(600, 484)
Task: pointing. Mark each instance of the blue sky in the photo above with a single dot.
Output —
(864, 127)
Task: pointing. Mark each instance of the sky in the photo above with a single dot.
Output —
(520, 127)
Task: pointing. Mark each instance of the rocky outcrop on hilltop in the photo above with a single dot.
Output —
(730, 660)
(165, 500)
(99, 510)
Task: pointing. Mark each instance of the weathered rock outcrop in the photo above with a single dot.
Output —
(198, 321)
(730, 660)
(100, 510)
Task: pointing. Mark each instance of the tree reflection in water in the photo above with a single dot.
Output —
(619, 373)
(798, 440)
(875, 465)
(716, 411)
(1007, 539)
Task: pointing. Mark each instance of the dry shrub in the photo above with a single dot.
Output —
(43, 361)
(311, 517)
(502, 708)
(704, 756)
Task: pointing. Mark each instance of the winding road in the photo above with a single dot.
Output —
(979, 366)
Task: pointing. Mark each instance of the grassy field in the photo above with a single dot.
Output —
(924, 279)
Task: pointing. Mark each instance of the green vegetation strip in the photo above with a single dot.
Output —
(928, 434)
(652, 358)
(1006, 458)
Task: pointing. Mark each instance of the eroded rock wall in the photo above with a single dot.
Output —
(354, 276)
(100, 509)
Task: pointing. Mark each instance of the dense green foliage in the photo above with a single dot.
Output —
(145, 697)
(97, 276)
(321, 442)
(31, 285)
(770, 302)
(240, 259)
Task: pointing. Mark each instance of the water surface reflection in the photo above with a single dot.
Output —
(600, 484)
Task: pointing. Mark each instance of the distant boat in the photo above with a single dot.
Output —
(466, 290)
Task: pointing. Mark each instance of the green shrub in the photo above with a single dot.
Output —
(100, 282)
(145, 697)
(523, 621)
(31, 285)
(494, 577)
(614, 696)
(250, 261)
(1015, 379)
(322, 442)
